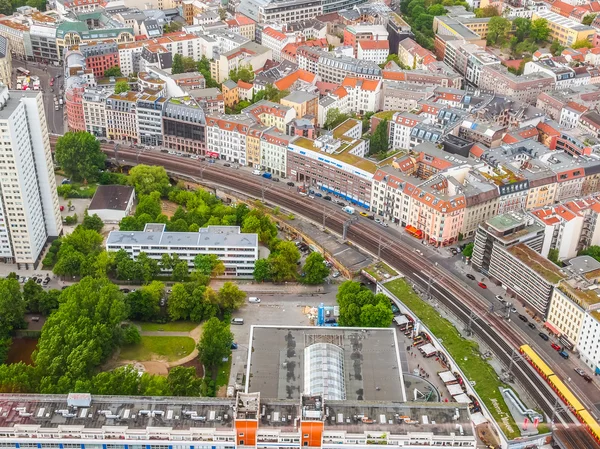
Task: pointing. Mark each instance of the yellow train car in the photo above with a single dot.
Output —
(591, 424)
(565, 394)
(536, 361)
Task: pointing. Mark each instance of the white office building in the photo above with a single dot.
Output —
(29, 211)
(236, 250)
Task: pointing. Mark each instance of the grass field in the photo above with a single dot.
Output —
(158, 348)
(464, 352)
(174, 326)
(223, 374)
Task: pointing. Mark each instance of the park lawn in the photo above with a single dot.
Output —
(223, 373)
(173, 326)
(464, 352)
(158, 348)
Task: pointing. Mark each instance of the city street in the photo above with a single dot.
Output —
(55, 119)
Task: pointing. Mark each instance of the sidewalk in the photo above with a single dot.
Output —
(271, 289)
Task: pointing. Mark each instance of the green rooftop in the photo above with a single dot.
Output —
(542, 266)
(582, 296)
(505, 222)
(385, 115)
(339, 131)
(343, 154)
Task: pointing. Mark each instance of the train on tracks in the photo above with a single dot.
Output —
(562, 391)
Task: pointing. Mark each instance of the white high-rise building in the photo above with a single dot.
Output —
(29, 210)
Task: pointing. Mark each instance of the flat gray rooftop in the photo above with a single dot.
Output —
(214, 236)
(370, 357)
(44, 410)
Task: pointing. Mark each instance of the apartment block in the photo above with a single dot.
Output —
(525, 88)
(275, 40)
(413, 55)
(507, 249)
(248, 55)
(226, 137)
(149, 113)
(183, 124)
(29, 212)
(121, 117)
(334, 163)
(353, 34)
(238, 251)
(94, 111)
(376, 51)
(565, 30)
(273, 151)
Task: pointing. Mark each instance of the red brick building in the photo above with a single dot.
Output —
(100, 56)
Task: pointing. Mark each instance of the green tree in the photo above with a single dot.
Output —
(468, 250)
(262, 270)
(93, 222)
(179, 305)
(177, 66)
(131, 335)
(379, 141)
(12, 307)
(488, 11)
(522, 27)
(498, 29)
(209, 265)
(123, 380)
(166, 262)
(180, 271)
(122, 86)
(32, 295)
(222, 13)
(149, 204)
(592, 251)
(148, 267)
(315, 269)
(149, 178)
(556, 48)
(215, 344)
(553, 256)
(182, 381)
(204, 68)
(130, 223)
(172, 27)
(5, 7)
(113, 71)
(379, 315)
(581, 43)
(540, 31)
(80, 335)
(144, 304)
(243, 73)
(588, 19)
(230, 297)
(48, 303)
(334, 118)
(283, 261)
(79, 155)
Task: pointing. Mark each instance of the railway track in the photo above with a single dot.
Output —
(445, 288)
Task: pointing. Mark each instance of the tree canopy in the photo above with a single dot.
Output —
(79, 155)
(315, 270)
(379, 140)
(243, 73)
(360, 307)
(80, 335)
(122, 86)
(498, 30)
(149, 178)
(215, 343)
(113, 71)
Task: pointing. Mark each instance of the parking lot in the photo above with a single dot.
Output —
(273, 310)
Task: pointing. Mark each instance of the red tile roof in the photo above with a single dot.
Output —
(289, 80)
(274, 34)
(364, 84)
(374, 45)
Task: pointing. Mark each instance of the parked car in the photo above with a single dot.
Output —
(555, 347)
(371, 217)
(513, 310)
(587, 377)
(580, 371)
(544, 336)
(319, 195)
(378, 220)
(275, 179)
(499, 298)
(62, 208)
(531, 325)
(291, 184)
(563, 354)
(364, 214)
(254, 299)
(482, 285)
(238, 321)
(226, 165)
(234, 345)
(470, 276)
(523, 318)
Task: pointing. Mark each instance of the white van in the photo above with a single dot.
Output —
(254, 299)
(256, 172)
(238, 321)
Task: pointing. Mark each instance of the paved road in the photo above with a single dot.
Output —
(365, 233)
(55, 119)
